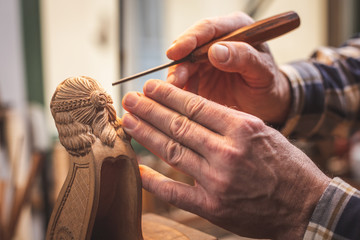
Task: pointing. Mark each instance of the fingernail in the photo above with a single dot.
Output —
(129, 122)
(220, 52)
(131, 99)
(150, 86)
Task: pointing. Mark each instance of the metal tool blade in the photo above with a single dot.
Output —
(148, 71)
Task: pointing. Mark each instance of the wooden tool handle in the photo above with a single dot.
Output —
(253, 34)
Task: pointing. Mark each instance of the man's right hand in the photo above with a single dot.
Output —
(237, 75)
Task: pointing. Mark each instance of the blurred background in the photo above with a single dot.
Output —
(44, 42)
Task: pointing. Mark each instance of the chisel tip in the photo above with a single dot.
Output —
(148, 71)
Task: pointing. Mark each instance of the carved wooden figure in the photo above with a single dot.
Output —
(101, 196)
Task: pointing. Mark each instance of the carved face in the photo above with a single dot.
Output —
(83, 111)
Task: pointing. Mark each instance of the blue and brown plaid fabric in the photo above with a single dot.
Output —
(337, 215)
(325, 91)
(326, 101)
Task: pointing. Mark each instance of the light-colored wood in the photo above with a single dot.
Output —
(156, 227)
(60, 162)
(101, 196)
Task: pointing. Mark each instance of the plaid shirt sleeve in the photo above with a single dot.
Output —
(325, 92)
(337, 215)
(325, 101)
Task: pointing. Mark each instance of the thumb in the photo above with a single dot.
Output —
(256, 68)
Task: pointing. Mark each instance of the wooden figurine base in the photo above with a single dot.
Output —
(155, 227)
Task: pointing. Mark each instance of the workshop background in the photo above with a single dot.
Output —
(43, 42)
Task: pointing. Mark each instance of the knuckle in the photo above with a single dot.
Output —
(242, 54)
(214, 146)
(179, 126)
(210, 145)
(253, 125)
(193, 106)
(248, 126)
(221, 183)
(166, 93)
(251, 55)
(173, 153)
(230, 154)
(206, 22)
(204, 26)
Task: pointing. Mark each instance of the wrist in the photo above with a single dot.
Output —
(284, 96)
(296, 224)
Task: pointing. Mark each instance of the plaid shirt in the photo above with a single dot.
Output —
(326, 102)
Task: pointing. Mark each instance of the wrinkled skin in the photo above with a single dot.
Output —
(249, 179)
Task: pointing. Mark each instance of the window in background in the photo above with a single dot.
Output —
(142, 36)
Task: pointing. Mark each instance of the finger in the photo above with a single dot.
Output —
(205, 31)
(187, 75)
(179, 194)
(242, 58)
(179, 75)
(175, 154)
(207, 113)
(174, 125)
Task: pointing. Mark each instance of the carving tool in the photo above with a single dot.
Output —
(253, 34)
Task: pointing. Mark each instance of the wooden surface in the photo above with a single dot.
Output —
(72, 214)
(156, 227)
(201, 224)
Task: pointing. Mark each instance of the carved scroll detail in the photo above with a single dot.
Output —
(82, 111)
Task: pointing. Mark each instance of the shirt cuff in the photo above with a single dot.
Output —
(337, 214)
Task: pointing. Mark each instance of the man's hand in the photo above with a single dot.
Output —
(248, 178)
(237, 75)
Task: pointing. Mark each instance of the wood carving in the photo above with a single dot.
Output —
(101, 196)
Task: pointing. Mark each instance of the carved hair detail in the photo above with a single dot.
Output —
(83, 111)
